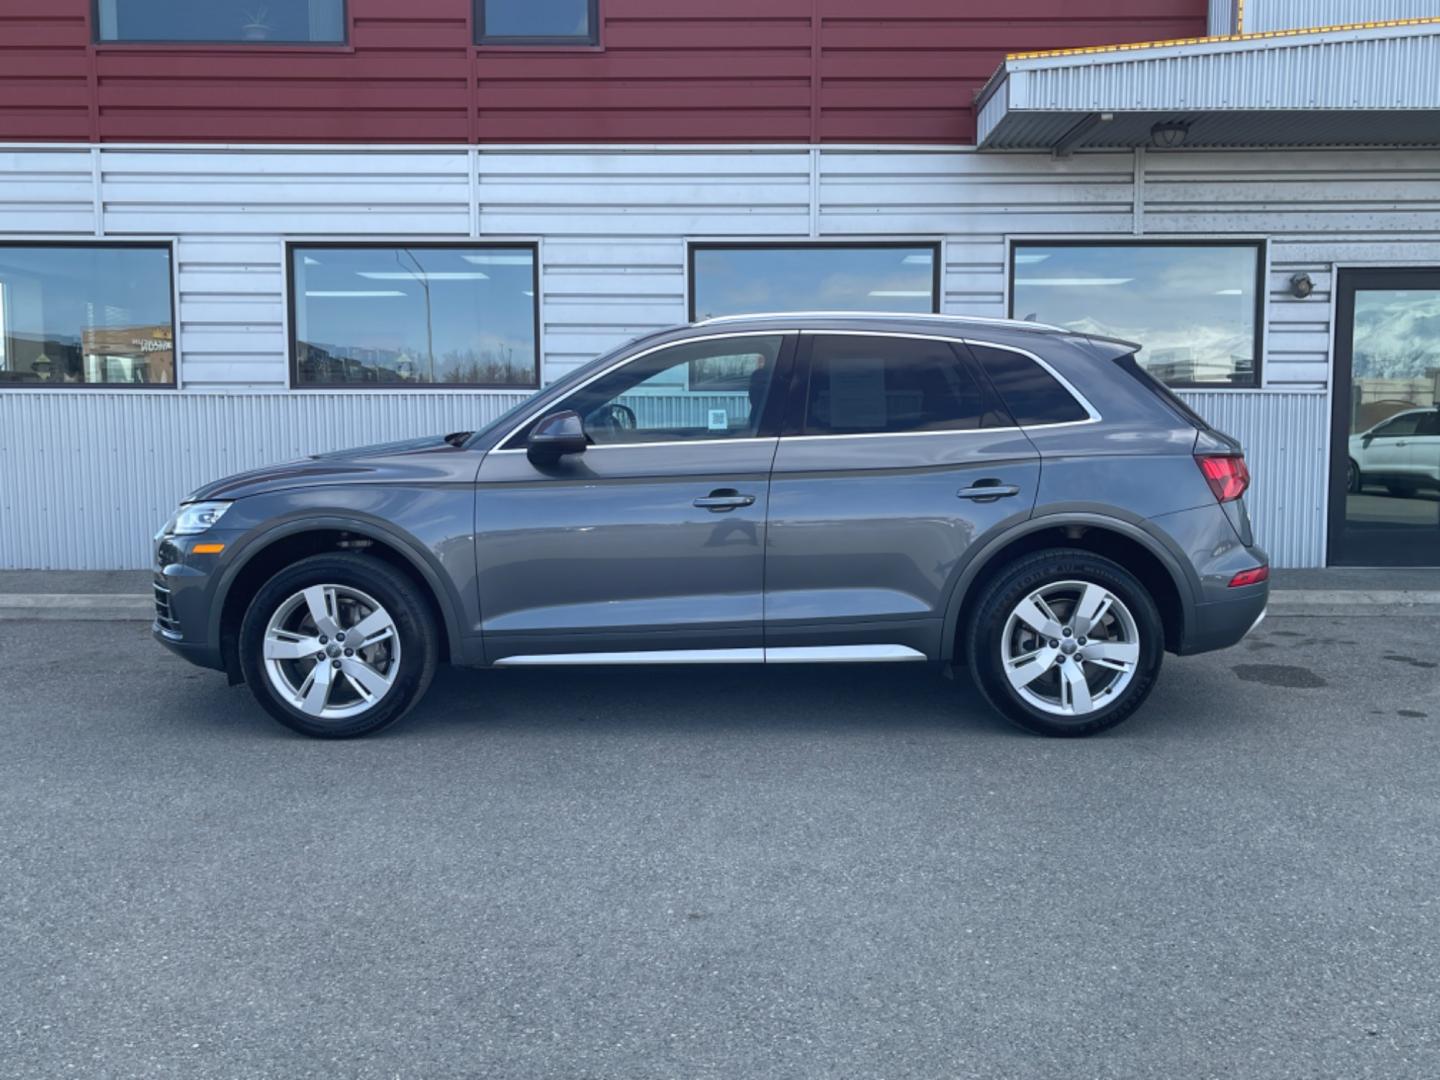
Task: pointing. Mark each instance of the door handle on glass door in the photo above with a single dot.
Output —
(722, 499)
(988, 490)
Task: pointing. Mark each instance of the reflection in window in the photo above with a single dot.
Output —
(221, 20)
(1194, 307)
(729, 280)
(872, 385)
(1396, 353)
(564, 21)
(657, 398)
(86, 315)
(414, 316)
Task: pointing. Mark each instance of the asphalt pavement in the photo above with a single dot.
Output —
(724, 873)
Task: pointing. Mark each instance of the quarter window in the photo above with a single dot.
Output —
(86, 315)
(881, 385)
(697, 390)
(1031, 394)
(279, 21)
(520, 22)
(1194, 307)
(414, 315)
(733, 279)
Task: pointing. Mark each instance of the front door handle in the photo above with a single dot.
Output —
(988, 491)
(722, 499)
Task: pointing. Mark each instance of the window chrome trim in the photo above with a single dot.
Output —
(621, 363)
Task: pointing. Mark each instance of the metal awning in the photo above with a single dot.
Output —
(1368, 85)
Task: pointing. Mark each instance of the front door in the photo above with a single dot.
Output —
(649, 545)
(1385, 468)
(895, 459)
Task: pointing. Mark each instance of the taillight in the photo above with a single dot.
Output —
(1226, 474)
(1250, 577)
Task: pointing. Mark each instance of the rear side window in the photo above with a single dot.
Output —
(883, 385)
(1131, 367)
(1031, 393)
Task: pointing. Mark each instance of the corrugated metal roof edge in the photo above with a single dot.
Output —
(1003, 71)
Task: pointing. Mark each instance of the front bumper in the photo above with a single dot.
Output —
(185, 594)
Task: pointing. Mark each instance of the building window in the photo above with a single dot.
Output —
(537, 22)
(414, 315)
(282, 21)
(1194, 306)
(86, 315)
(733, 279)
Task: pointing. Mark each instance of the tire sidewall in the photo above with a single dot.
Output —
(987, 631)
(392, 590)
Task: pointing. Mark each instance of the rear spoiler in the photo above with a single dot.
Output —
(1107, 348)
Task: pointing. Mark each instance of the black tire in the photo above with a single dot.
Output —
(419, 645)
(987, 629)
(1354, 479)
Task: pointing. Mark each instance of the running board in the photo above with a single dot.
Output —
(804, 654)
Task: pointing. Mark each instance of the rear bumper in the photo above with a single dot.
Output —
(1223, 623)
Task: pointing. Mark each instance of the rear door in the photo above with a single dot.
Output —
(894, 459)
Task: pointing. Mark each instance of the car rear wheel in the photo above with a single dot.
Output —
(1353, 479)
(1065, 643)
(337, 646)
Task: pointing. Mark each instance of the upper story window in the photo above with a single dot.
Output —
(86, 315)
(734, 279)
(367, 315)
(280, 21)
(537, 22)
(1194, 306)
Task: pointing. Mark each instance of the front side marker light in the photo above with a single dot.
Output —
(208, 549)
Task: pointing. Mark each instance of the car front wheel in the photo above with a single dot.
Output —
(337, 646)
(1066, 643)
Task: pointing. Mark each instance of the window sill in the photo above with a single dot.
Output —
(288, 48)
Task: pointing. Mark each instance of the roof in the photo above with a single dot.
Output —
(1361, 85)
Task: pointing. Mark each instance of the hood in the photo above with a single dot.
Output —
(433, 459)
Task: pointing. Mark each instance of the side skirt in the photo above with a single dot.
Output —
(808, 654)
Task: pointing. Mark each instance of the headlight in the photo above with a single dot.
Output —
(197, 517)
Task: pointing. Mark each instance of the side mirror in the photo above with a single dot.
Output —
(1368, 439)
(555, 436)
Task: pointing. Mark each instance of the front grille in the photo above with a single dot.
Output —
(163, 613)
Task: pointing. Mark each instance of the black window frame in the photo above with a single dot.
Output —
(1259, 246)
(239, 43)
(386, 244)
(168, 246)
(591, 39)
(936, 270)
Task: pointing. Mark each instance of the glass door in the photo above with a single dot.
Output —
(1385, 444)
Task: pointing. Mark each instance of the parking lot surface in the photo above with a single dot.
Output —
(724, 872)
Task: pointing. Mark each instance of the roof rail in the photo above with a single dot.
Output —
(1018, 323)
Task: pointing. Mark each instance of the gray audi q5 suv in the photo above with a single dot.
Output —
(1016, 499)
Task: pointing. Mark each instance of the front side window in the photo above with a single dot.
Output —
(674, 395)
(1195, 307)
(280, 21)
(86, 315)
(882, 385)
(414, 315)
(735, 279)
(522, 22)
(1409, 424)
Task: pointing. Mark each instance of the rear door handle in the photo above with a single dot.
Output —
(988, 491)
(722, 499)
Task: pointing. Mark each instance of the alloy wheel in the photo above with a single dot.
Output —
(1070, 648)
(331, 651)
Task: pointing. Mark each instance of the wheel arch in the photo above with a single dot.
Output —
(1160, 569)
(287, 543)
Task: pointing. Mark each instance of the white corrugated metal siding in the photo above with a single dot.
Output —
(1265, 15)
(613, 223)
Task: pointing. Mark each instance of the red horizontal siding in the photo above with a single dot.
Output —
(666, 71)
